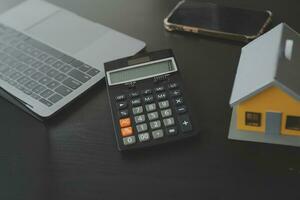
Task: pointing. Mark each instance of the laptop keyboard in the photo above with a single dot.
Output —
(38, 70)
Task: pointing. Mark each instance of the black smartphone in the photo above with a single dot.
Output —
(218, 21)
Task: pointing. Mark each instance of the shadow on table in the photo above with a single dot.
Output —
(24, 153)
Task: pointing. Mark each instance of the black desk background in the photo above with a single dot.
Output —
(82, 159)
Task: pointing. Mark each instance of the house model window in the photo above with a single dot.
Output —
(293, 123)
(253, 119)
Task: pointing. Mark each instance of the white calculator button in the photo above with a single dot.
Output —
(166, 113)
(143, 137)
(153, 116)
(155, 124)
(139, 119)
(158, 134)
(150, 107)
(169, 121)
(129, 140)
(142, 127)
(137, 110)
(164, 104)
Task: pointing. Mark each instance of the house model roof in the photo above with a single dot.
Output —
(273, 59)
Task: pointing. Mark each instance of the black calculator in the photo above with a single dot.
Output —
(147, 100)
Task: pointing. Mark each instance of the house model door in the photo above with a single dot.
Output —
(273, 123)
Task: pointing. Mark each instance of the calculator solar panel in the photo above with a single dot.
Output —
(147, 100)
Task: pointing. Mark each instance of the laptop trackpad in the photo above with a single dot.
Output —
(67, 32)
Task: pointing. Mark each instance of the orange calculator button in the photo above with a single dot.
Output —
(125, 122)
(126, 131)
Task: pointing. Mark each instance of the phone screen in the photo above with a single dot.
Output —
(220, 18)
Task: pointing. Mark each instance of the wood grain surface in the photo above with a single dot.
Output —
(80, 159)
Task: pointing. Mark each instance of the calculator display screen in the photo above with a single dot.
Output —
(141, 71)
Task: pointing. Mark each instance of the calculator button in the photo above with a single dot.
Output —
(160, 89)
(148, 99)
(169, 121)
(136, 102)
(155, 124)
(172, 131)
(164, 104)
(124, 113)
(181, 109)
(185, 123)
(121, 97)
(173, 85)
(142, 127)
(139, 119)
(178, 101)
(161, 96)
(134, 94)
(126, 131)
(148, 91)
(150, 107)
(137, 110)
(158, 134)
(175, 93)
(125, 122)
(122, 105)
(166, 113)
(143, 137)
(129, 140)
(152, 116)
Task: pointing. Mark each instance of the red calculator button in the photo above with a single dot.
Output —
(125, 122)
(126, 131)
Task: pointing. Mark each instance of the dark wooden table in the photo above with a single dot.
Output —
(80, 159)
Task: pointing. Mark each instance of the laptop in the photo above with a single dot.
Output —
(50, 56)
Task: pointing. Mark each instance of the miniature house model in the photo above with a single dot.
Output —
(266, 91)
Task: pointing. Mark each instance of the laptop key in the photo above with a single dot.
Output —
(38, 89)
(45, 80)
(93, 72)
(25, 90)
(35, 96)
(43, 57)
(53, 73)
(22, 46)
(58, 64)
(21, 67)
(35, 53)
(45, 102)
(84, 68)
(29, 61)
(71, 83)
(37, 65)
(53, 84)
(55, 98)
(37, 76)
(31, 84)
(46, 93)
(50, 61)
(76, 63)
(15, 75)
(66, 68)
(45, 68)
(29, 72)
(79, 76)
(23, 80)
(67, 59)
(62, 90)
(60, 77)
(9, 72)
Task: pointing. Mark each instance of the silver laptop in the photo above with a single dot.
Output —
(49, 56)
